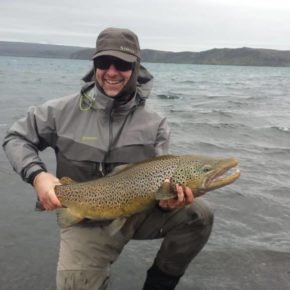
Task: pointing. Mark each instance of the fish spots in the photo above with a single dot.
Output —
(135, 187)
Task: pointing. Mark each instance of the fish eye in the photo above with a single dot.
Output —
(206, 168)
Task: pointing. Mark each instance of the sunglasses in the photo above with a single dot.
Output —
(104, 62)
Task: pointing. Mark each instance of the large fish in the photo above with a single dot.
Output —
(136, 187)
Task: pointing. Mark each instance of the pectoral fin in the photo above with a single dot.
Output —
(115, 226)
(165, 191)
(66, 218)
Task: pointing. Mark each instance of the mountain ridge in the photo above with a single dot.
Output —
(217, 56)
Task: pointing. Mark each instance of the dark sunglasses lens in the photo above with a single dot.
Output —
(122, 65)
(101, 63)
(104, 63)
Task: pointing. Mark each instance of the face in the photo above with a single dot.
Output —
(111, 79)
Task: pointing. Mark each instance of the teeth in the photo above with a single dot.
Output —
(112, 82)
(232, 171)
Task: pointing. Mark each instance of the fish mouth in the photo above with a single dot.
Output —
(226, 173)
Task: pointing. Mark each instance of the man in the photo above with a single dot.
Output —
(108, 124)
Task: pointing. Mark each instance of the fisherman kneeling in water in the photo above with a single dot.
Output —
(105, 125)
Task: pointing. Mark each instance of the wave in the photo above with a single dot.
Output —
(280, 129)
(281, 134)
(240, 103)
(207, 126)
(203, 112)
(222, 113)
(259, 148)
(187, 82)
(169, 97)
(218, 119)
(205, 146)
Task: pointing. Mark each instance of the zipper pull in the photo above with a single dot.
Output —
(101, 168)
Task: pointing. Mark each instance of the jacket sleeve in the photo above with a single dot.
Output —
(26, 138)
(162, 139)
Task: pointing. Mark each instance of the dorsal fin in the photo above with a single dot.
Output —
(124, 167)
(119, 169)
(162, 157)
(67, 181)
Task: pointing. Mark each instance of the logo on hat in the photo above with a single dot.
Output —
(127, 49)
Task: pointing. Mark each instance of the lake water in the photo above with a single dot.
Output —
(216, 110)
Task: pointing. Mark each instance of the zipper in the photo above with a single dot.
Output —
(113, 141)
(102, 168)
(110, 132)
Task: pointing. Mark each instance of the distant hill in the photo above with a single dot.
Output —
(36, 50)
(225, 56)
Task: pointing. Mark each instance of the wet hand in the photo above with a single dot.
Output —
(44, 184)
(184, 197)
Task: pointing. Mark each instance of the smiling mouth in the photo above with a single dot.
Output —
(113, 82)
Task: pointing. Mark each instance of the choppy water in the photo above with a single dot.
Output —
(243, 112)
(218, 110)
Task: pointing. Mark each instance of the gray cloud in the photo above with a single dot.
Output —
(174, 25)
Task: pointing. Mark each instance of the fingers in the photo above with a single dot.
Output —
(184, 194)
(44, 185)
(49, 200)
(184, 197)
(180, 193)
(189, 197)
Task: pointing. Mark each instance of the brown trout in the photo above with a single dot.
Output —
(138, 186)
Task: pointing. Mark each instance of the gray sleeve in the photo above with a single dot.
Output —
(162, 140)
(26, 138)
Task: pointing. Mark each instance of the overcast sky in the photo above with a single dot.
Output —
(171, 25)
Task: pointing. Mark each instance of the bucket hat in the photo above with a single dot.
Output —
(118, 42)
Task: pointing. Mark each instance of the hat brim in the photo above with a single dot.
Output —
(119, 54)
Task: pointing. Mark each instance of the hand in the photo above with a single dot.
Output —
(44, 184)
(184, 197)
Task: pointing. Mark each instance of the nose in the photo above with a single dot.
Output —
(112, 69)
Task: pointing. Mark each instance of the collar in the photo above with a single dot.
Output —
(93, 98)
